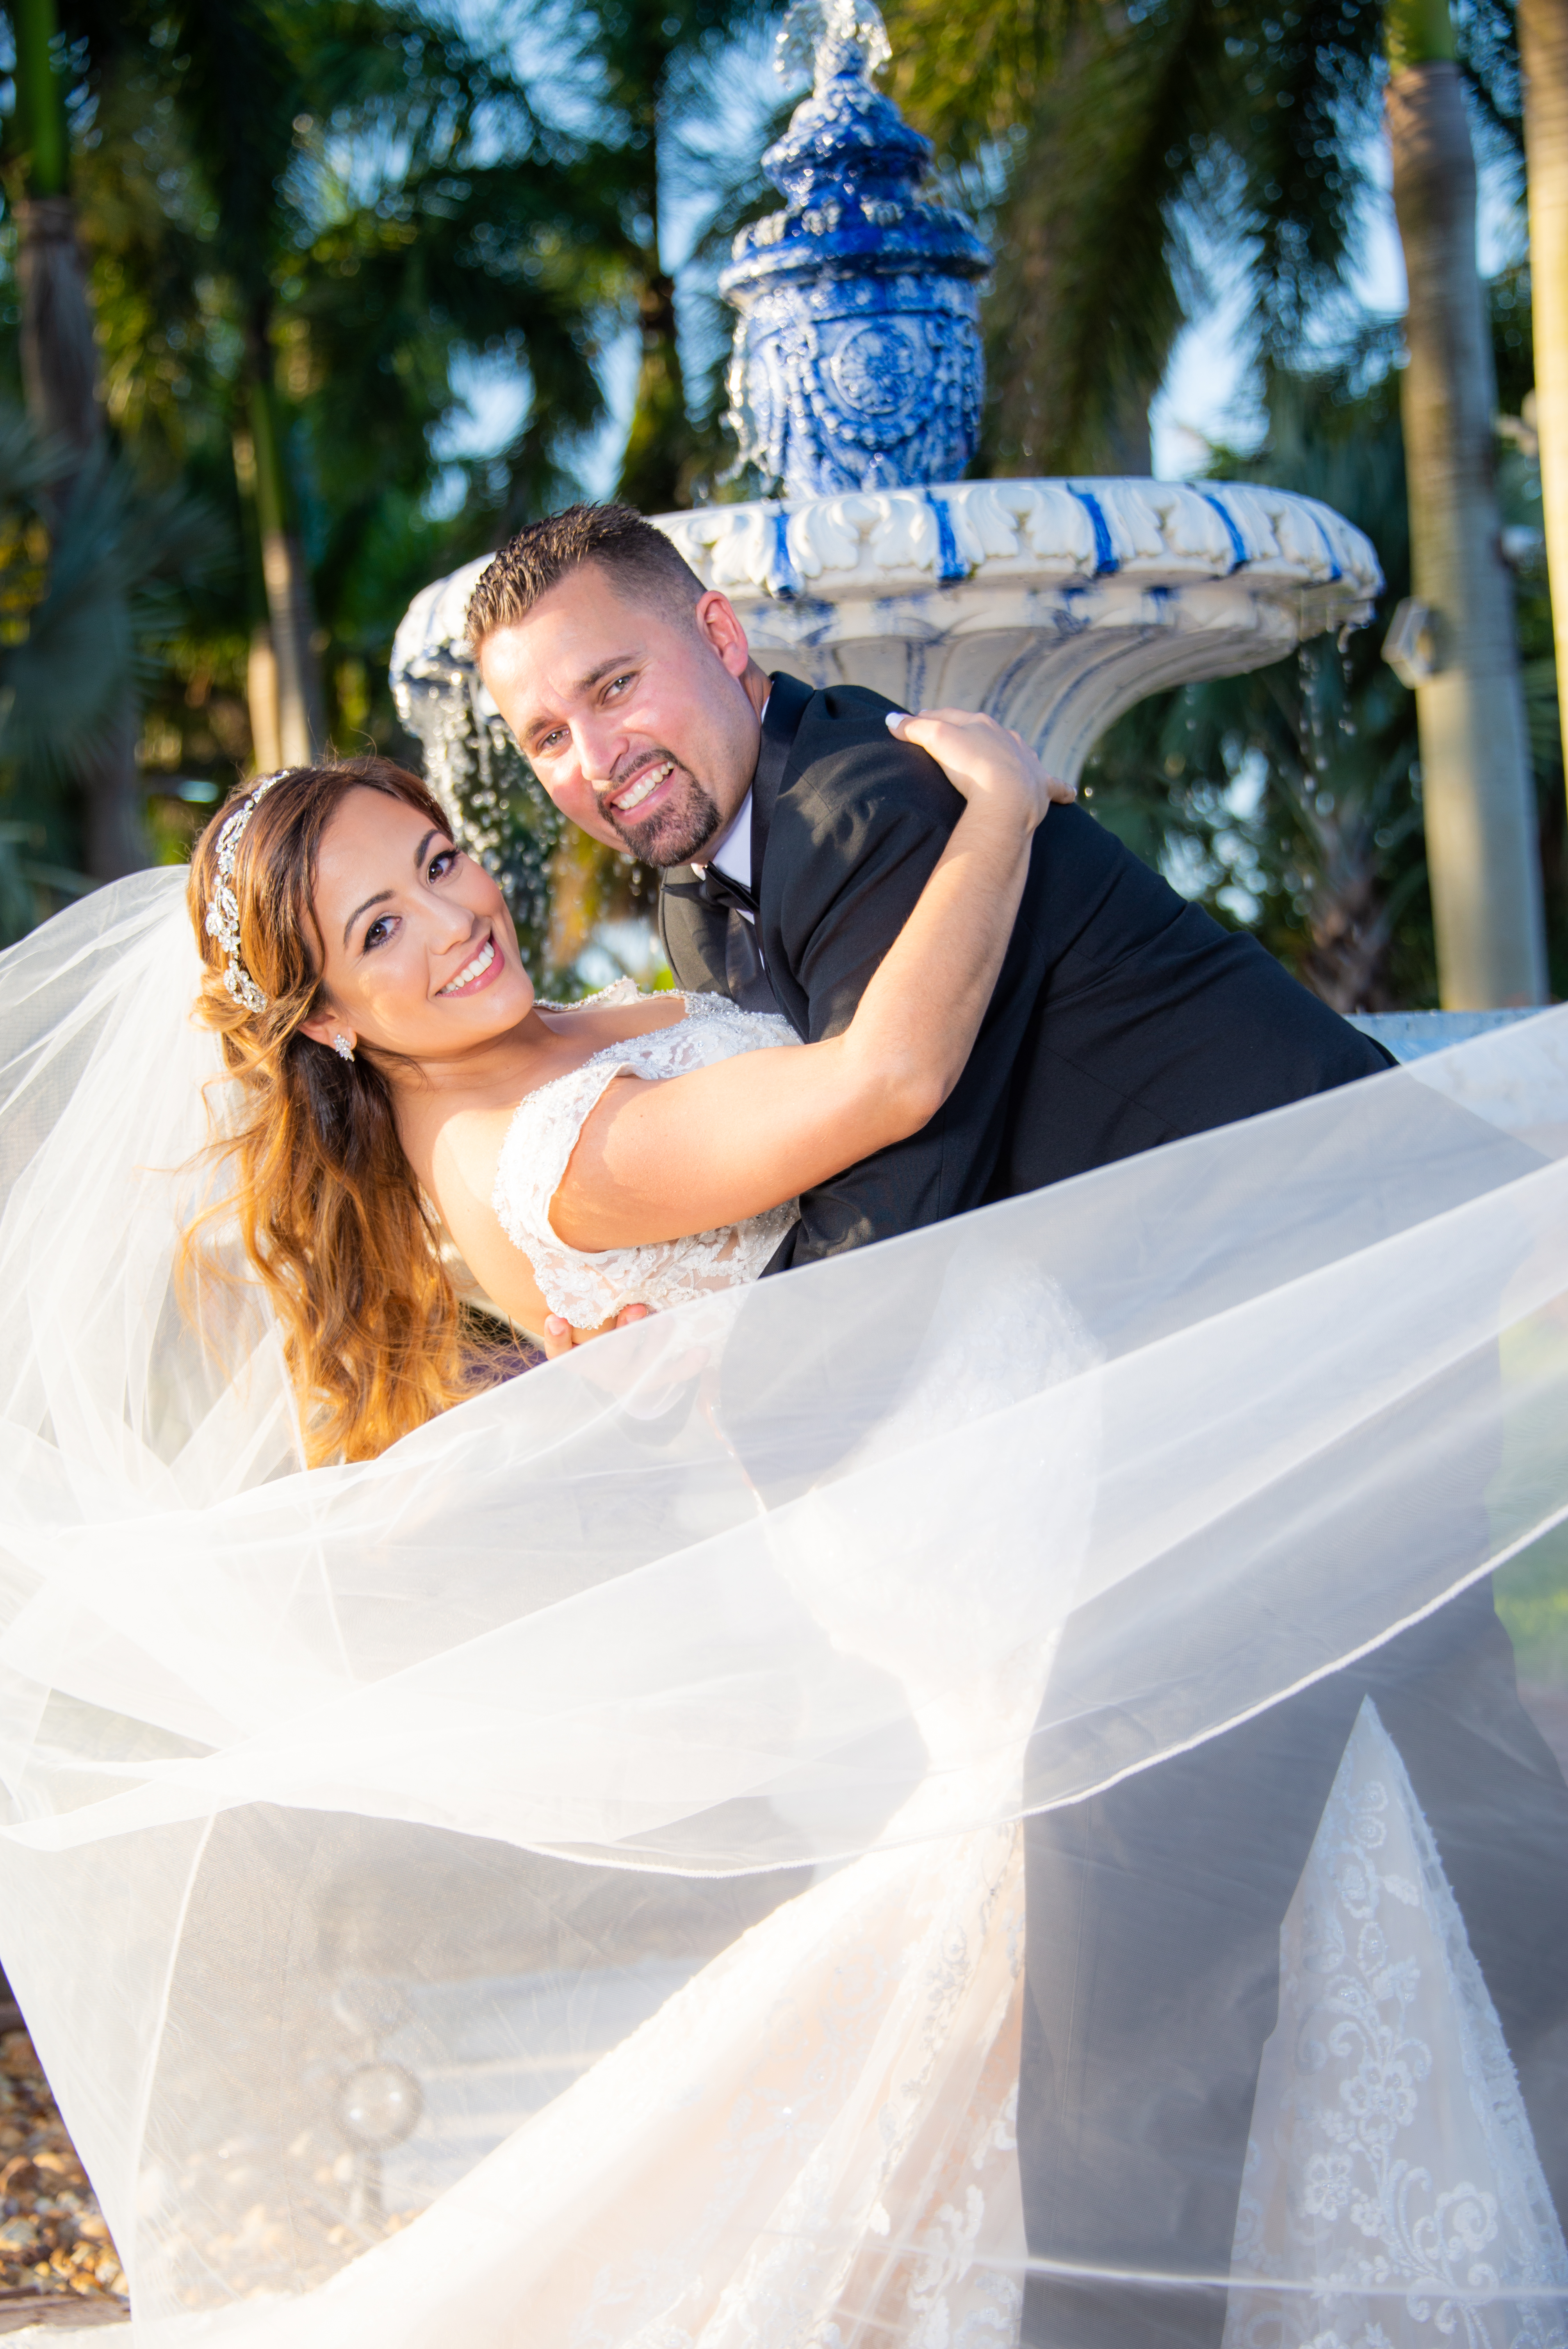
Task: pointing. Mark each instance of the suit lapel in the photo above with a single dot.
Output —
(693, 932)
(787, 704)
(787, 707)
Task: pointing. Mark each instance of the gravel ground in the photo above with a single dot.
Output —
(57, 2265)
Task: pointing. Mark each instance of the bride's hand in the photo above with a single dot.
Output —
(984, 760)
(559, 1337)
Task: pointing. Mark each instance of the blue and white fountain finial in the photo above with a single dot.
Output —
(824, 38)
(857, 358)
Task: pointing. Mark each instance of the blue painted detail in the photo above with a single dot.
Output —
(1334, 570)
(857, 360)
(783, 579)
(1067, 619)
(950, 563)
(1105, 557)
(816, 620)
(1238, 544)
(999, 697)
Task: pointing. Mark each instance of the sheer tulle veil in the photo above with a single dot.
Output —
(375, 1833)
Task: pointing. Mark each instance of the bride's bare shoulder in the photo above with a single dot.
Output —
(454, 1141)
(613, 1013)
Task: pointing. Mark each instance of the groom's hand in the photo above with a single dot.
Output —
(559, 1337)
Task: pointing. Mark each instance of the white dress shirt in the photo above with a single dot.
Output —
(733, 853)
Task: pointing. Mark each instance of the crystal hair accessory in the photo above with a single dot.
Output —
(223, 906)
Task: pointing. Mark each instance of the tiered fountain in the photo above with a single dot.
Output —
(856, 387)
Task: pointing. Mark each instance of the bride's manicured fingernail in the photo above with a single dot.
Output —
(895, 719)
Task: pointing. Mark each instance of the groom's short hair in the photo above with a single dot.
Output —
(639, 558)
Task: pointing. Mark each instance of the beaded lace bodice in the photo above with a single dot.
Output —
(588, 1289)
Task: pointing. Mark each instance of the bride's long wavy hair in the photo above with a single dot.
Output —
(327, 1208)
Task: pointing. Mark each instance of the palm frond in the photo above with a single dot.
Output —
(119, 557)
(1086, 303)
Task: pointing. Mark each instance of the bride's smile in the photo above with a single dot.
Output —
(484, 968)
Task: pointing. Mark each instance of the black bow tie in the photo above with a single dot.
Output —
(719, 889)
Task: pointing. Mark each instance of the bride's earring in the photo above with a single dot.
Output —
(342, 1047)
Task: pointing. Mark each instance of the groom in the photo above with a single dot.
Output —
(794, 834)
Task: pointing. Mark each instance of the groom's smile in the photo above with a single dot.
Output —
(626, 796)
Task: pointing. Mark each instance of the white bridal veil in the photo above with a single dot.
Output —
(557, 1883)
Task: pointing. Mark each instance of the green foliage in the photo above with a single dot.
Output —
(95, 567)
(355, 204)
(1289, 800)
(1120, 144)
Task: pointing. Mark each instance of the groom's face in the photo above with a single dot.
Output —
(639, 718)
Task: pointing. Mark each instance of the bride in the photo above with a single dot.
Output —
(548, 1872)
(363, 974)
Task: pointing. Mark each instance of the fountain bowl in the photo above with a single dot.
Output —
(1054, 605)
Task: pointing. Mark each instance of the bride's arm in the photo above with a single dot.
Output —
(658, 1160)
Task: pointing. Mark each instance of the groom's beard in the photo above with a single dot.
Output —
(685, 820)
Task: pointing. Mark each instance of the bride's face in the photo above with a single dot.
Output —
(420, 954)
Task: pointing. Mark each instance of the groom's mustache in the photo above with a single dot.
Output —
(677, 823)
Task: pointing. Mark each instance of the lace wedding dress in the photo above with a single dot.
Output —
(1392, 2179)
(592, 1289)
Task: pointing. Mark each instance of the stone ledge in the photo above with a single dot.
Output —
(1411, 1035)
(871, 544)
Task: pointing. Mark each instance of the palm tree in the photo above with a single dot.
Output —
(1544, 56)
(226, 71)
(239, 92)
(1482, 847)
(59, 370)
(652, 70)
(1120, 128)
(326, 184)
(1284, 798)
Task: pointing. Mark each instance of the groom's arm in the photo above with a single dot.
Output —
(852, 843)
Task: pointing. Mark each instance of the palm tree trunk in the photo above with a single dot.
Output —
(1543, 54)
(657, 442)
(1478, 793)
(59, 377)
(262, 668)
(60, 357)
(262, 698)
(301, 732)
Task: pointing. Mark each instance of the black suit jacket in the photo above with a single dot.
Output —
(1123, 1016)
